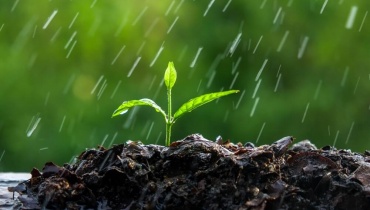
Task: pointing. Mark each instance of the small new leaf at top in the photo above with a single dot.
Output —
(170, 76)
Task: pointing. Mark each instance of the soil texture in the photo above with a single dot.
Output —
(196, 173)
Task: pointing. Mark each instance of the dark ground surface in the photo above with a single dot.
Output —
(195, 173)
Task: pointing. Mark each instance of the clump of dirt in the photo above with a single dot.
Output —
(196, 173)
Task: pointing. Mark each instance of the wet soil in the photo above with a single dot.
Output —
(196, 173)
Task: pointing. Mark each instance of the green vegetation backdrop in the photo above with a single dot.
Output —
(302, 68)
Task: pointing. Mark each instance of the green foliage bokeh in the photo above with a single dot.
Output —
(61, 78)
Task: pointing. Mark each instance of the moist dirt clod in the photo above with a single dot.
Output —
(196, 173)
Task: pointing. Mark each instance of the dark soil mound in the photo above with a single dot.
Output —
(195, 173)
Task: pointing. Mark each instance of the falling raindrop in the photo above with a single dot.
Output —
(214, 64)
(254, 106)
(44, 148)
(208, 7)
(93, 3)
(70, 40)
(290, 3)
(179, 6)
(258, 43)
(69, 84)
(344, 78)
(277, 15)
(70, 50)
(336, 138)
(256, 88)
(94, 26)
(73, 20)
(278, 71)
(150, 29)
(97, 84)
(105, 160)
(282, 42)
(152, 82)
(34, 32)
(235, 77)
(133, 66)
(14, 5)
(104, 139)
(277, 83)
(259, 134)
(236, 65)
(263, 4)
(261, 69)
(351, 17)
(102, 88)
(362, 22)
(240, 99)
(182, 53)
(159, 136)
(318, 88)
(120, 27)
(33, 125)
(140, 15)
(196, 57)
(169, 8)
(329, 129)
(200, 83)
(47, 98)
(145, 128)
(115, 89)
(173, 23)
(211, 78)
(140, 48)
(50, 18)
(150, 130)
(350, 131)
(226, 6)
(53, 38)
(159, 88)
(358, 80)
(118, 54)
(80, 165)
(1, 27)
(157, 55)
(235, 44)
(61, 125)
(305, 112)
(113, 139)
(323, 6)
(2, 155)
(303, 47)
(130, 119)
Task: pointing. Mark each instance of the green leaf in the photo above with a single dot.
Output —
(126, 105)
(170, 75)
(199, 101)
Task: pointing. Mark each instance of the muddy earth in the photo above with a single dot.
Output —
(196, 173)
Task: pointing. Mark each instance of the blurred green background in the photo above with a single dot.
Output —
(302, 68)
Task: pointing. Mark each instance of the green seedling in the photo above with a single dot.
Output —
(170, 77)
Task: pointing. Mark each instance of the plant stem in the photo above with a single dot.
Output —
(169, 118)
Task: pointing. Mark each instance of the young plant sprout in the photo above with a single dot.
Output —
(170, 77)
